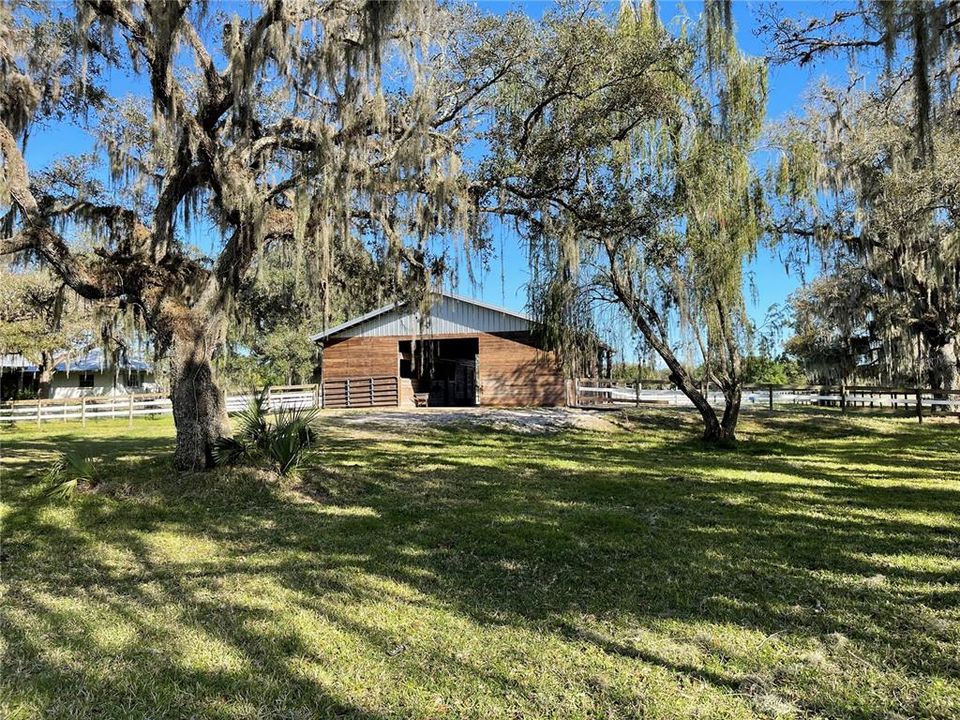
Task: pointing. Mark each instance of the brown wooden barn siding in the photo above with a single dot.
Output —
(360, 357)
(512, 370)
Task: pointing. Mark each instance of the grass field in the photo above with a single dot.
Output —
(467, 573)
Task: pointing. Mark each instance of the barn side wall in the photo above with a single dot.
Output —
(512, 370)
(360, 357)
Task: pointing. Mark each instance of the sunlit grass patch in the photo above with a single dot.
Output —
(477, 573)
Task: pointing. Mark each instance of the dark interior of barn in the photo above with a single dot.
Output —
(444, 372)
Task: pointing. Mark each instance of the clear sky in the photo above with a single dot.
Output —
(504, 281)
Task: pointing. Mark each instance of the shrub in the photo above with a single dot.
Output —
(252, 420)
(290, 439)
(283, 444)
(70, 473)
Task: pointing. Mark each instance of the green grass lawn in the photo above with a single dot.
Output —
(467, 573)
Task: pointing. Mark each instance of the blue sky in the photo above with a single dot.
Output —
(504, 281)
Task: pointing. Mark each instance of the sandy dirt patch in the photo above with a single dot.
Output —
(530, 420)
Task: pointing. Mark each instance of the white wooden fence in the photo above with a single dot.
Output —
(591, 391)
(146, 404)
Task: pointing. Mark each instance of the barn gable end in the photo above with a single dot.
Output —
(449, 315)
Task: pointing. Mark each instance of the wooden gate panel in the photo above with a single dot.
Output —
(360, 392)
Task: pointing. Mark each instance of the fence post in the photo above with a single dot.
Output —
(316, 396)
(371, 392)
(83, 410)
(770, 397)
(637, 388)
(348, 392)
(919, 407)
(843, 397)
(130, 412)
(38, 411)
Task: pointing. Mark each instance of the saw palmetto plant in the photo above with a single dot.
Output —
(283, 443)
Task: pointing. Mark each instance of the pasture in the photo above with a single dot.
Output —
(470, 572)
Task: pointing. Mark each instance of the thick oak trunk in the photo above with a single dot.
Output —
(199, 408)
(45, 380)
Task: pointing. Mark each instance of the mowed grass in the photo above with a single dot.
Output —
(469, 573)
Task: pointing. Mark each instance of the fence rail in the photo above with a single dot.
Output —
(383, 391)
(593, 391)
(361, 392)
(96, 407)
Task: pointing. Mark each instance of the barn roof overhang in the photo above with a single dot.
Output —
(16, 361)
(91, 361)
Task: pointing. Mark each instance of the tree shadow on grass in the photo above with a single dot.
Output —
(249, 678)
(498, 530)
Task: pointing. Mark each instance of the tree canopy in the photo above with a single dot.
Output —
(623, 154)
(854, 182)
(334, 156)
(304, 123)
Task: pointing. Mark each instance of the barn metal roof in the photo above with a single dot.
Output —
(449, 314)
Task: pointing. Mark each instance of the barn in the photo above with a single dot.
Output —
(461, 352)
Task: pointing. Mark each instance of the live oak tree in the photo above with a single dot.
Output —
(854, 182)
(871, 169)
(624, 156)
(47, 323)
(836, 320)
(278, 308)
(305, 122)
(910, 41)
(38, 318)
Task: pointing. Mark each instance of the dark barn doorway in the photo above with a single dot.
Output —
(443, 370)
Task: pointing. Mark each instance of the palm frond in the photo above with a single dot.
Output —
(285, 443)
(230, 451)
(252, 420)
(291, 439)
(69, 472)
